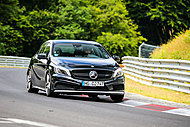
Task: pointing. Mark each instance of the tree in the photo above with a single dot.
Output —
(37, 27)
(28, 25)
(31, 5)
(158, 20)
(23, 30)
(10, 38)
(74, 20)
(118, 44)
(9, 10)
(114, 28)
(104, 21)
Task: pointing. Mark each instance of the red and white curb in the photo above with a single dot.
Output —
(155, 107)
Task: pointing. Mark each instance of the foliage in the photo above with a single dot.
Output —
(98, 21)
(160, 20)
(31, 5)
(178, 48)
(8, 10)
(10, 38)
(117, 42)
(37, 27)
(114, 29)
(74, 20)
(25, 25)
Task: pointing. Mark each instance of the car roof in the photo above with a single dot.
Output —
(74, 41)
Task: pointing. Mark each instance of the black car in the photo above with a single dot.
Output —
(75, 67)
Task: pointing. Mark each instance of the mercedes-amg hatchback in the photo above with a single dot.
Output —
(75, 67)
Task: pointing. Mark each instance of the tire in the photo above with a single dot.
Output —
(29, 84)
(117, 98)
(48, 86)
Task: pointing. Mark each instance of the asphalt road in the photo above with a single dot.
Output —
(21, 109)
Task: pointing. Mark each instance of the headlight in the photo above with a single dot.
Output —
(62, 70)
(118, 73)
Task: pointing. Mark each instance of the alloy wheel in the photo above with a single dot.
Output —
(48, 85)
(29, 82)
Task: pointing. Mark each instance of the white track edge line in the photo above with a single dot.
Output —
(21, 121)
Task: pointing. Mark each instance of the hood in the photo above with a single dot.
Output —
(74, 62)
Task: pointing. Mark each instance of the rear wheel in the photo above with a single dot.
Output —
(48, 86)
(29, 84)
(117, 98)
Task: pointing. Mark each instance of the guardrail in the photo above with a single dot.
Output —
(13, 61)
(171, 74)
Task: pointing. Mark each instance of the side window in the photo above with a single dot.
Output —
(42, 48)
(47, 49)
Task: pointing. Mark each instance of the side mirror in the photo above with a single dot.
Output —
(42, 56)
(116, 58)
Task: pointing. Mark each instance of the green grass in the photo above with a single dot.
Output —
(178, 48)
(156, 92)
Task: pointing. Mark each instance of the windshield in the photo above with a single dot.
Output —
(79, 50)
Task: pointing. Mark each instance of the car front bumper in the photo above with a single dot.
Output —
(69, 85)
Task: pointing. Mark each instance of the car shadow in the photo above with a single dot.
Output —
(100, 98)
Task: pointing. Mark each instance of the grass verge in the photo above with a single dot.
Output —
(156, 92)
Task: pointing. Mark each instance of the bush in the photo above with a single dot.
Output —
(178, 48)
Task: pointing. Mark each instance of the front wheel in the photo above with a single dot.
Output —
(117, 98)
(48, 86)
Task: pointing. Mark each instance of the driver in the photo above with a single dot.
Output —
(87, 51)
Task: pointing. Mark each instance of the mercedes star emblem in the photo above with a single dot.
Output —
(93, 74)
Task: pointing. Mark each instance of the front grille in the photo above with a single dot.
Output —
(84, 75)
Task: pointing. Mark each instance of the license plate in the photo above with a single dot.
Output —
(92, 83)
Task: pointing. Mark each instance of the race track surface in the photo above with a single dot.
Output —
(18, 108)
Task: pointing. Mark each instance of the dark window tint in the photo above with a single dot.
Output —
(79, 50)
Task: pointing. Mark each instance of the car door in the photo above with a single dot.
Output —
(43, 64)
(39, 65)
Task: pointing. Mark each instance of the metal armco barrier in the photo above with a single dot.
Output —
(165, 73)
(12, 61)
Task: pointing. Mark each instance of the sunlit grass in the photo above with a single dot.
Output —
(178, 48)
(156, 92)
